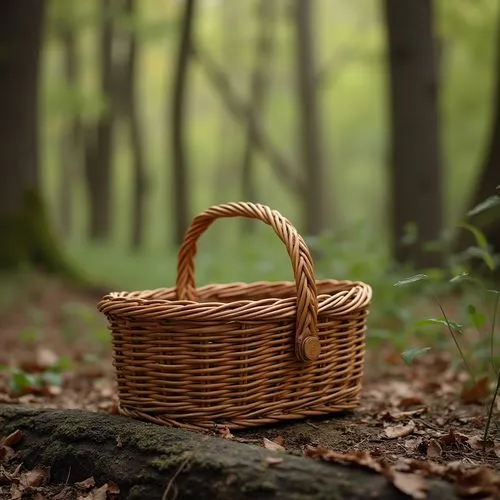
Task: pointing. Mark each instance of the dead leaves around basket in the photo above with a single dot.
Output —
(412, 476)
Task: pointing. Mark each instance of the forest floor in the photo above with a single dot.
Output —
(55, 353)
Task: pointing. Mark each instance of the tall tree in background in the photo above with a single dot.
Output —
(310, 122)
(258, 87)
(26, 235)
(489, 177)
(415, 151)
(99, 137)
(132, 118)
(180, 192)
(72, 133)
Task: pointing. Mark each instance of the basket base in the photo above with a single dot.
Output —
(238, 423)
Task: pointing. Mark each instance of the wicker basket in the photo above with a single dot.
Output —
(239, 354)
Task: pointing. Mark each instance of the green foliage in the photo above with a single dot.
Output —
(22, 382)
(411, 354)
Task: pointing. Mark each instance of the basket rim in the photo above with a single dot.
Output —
(149, 304)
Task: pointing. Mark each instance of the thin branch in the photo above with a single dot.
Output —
(243, 112)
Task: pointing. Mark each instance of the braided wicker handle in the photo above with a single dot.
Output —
(307, 346)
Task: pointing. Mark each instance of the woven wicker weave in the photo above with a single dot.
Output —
(239, 354)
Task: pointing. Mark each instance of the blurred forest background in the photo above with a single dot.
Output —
(373, 125)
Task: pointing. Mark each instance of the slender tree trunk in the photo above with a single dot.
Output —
(415, 151)
(100, 139)
(139, 183)
(71, 135)
(258, 87)
(489, 177)
(180, 191)
(310, 121)
(24, 226)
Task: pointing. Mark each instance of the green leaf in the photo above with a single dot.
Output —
(52, 378)
(482, 243)
(442, 322)
(412, 279)
(411, 354)
(479, 236)
(491, 202)
(20, 380)
(62, 364)
(477, 318)
(461, 277)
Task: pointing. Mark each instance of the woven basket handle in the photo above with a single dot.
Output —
(307, 346)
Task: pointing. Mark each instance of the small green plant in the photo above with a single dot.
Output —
(25, 382)
(480, 360)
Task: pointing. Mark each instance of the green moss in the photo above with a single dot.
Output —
(266, 486)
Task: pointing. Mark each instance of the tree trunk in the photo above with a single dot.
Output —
(146, 460)
(258, 87)
(99, 145)
(489, 177)
(180, 190)
(71, 135)
(26, 235)
(415, 151)
(139, 182)
(310, 121)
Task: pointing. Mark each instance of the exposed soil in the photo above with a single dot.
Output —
(418, 412)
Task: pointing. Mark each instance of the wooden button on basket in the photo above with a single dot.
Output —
(239, 354)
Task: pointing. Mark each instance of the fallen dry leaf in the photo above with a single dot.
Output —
(86, 484)
(32, 478)
(361, 458)
(413, 485)
(397, 416)
(100, 493)
(413, 443)
(113, 489)
(279, 440)
(6, 454)
(476, 393)
(398, 431)
(15, 492)
(434, 449)
(12, 439)
(478, 483)
(410, 401)
(489, 446)
(65, 494)
(272, 445)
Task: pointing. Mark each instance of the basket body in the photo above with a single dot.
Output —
(239, 355)
(242, 372)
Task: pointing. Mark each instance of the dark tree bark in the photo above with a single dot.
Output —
(71, 135)
(26, 235)
(310, 120)
(489, 177)
(99, 139)
(258, 86)
(146, 460)
(180, 189)
(415, 146)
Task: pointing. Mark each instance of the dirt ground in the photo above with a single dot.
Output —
(418, 412)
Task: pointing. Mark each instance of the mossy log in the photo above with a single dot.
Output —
(143, 459)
